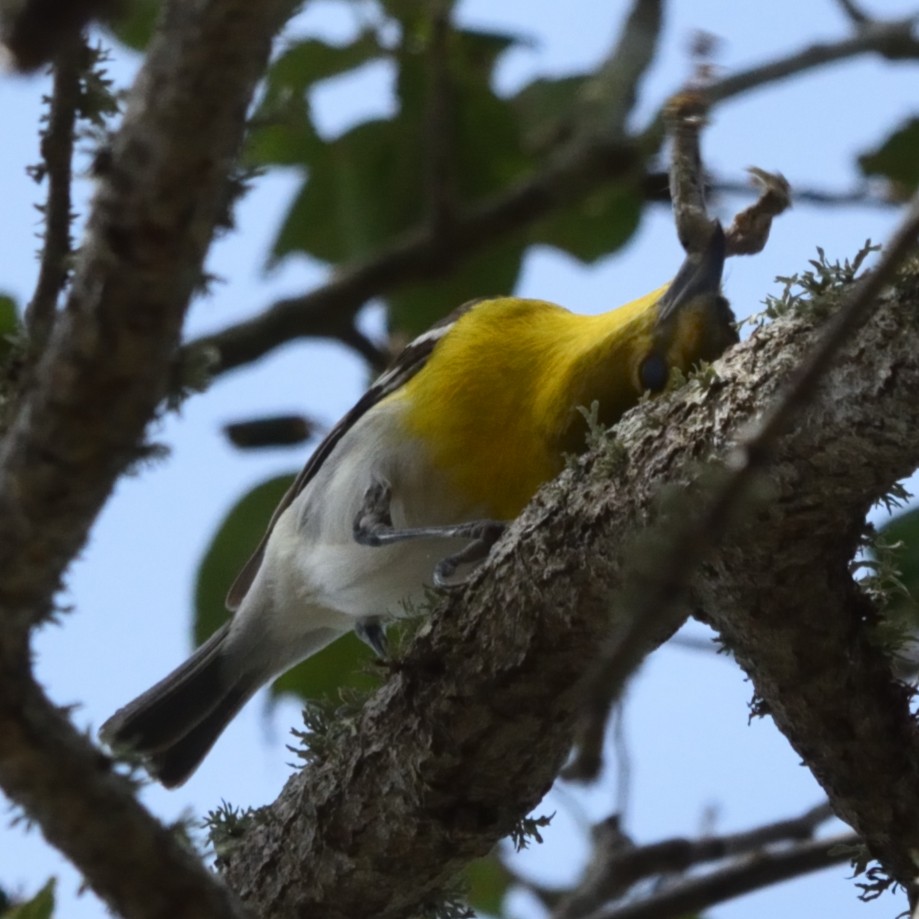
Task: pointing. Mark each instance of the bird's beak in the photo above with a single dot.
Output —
(699, 275)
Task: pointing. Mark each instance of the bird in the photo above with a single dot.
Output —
(418, 480)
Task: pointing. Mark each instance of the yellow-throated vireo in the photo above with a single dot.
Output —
(420, 477)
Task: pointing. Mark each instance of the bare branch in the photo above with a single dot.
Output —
(146, 237)
(765, 869)
(615, 869)
(608, 97)
(57, 153)
(892, 39)
(685, 115)
(855, 15)
(593, 159)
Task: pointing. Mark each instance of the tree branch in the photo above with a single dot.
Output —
(892, 39)
(328, 311)
(57, 154)
(767, 868)
(590, 160)
(468, 734)
(614, 869)
(139, 867)
(608, 97)
(852, 12)
(80, 422)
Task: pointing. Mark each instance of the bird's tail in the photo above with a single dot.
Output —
(174, 723)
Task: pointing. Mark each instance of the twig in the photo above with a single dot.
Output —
(614, 871)
(685, 115)
(892, 39)
(329, 310)
(606, 100)
(856, 196)
(57, 153)
(762, 870)
(856, 16)
(692, 643)
(623, 761)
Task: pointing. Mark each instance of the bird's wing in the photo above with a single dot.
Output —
(409, 361)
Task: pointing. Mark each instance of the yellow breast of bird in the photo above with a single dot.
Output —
(496, 404)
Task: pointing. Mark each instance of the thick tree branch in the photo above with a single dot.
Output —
(467, 736)
(746, 461)
(80, 422)
(138, 866)
(855, 15)
(592, 159)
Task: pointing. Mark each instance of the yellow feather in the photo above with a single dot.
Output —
(498, 443)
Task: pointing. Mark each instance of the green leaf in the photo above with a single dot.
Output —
(362, 190)
(9, 323)
(478, 127)
(41, 906)
(282, 131)
(307, 62)
(371, 183)
(896, 159)
(135, 21)
(595, 226)
(282, 135)
(488, 882)
(235, 540)
(544, 110)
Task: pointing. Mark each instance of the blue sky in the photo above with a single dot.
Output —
(695, 763)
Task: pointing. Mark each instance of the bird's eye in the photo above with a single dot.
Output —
(653, 372)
